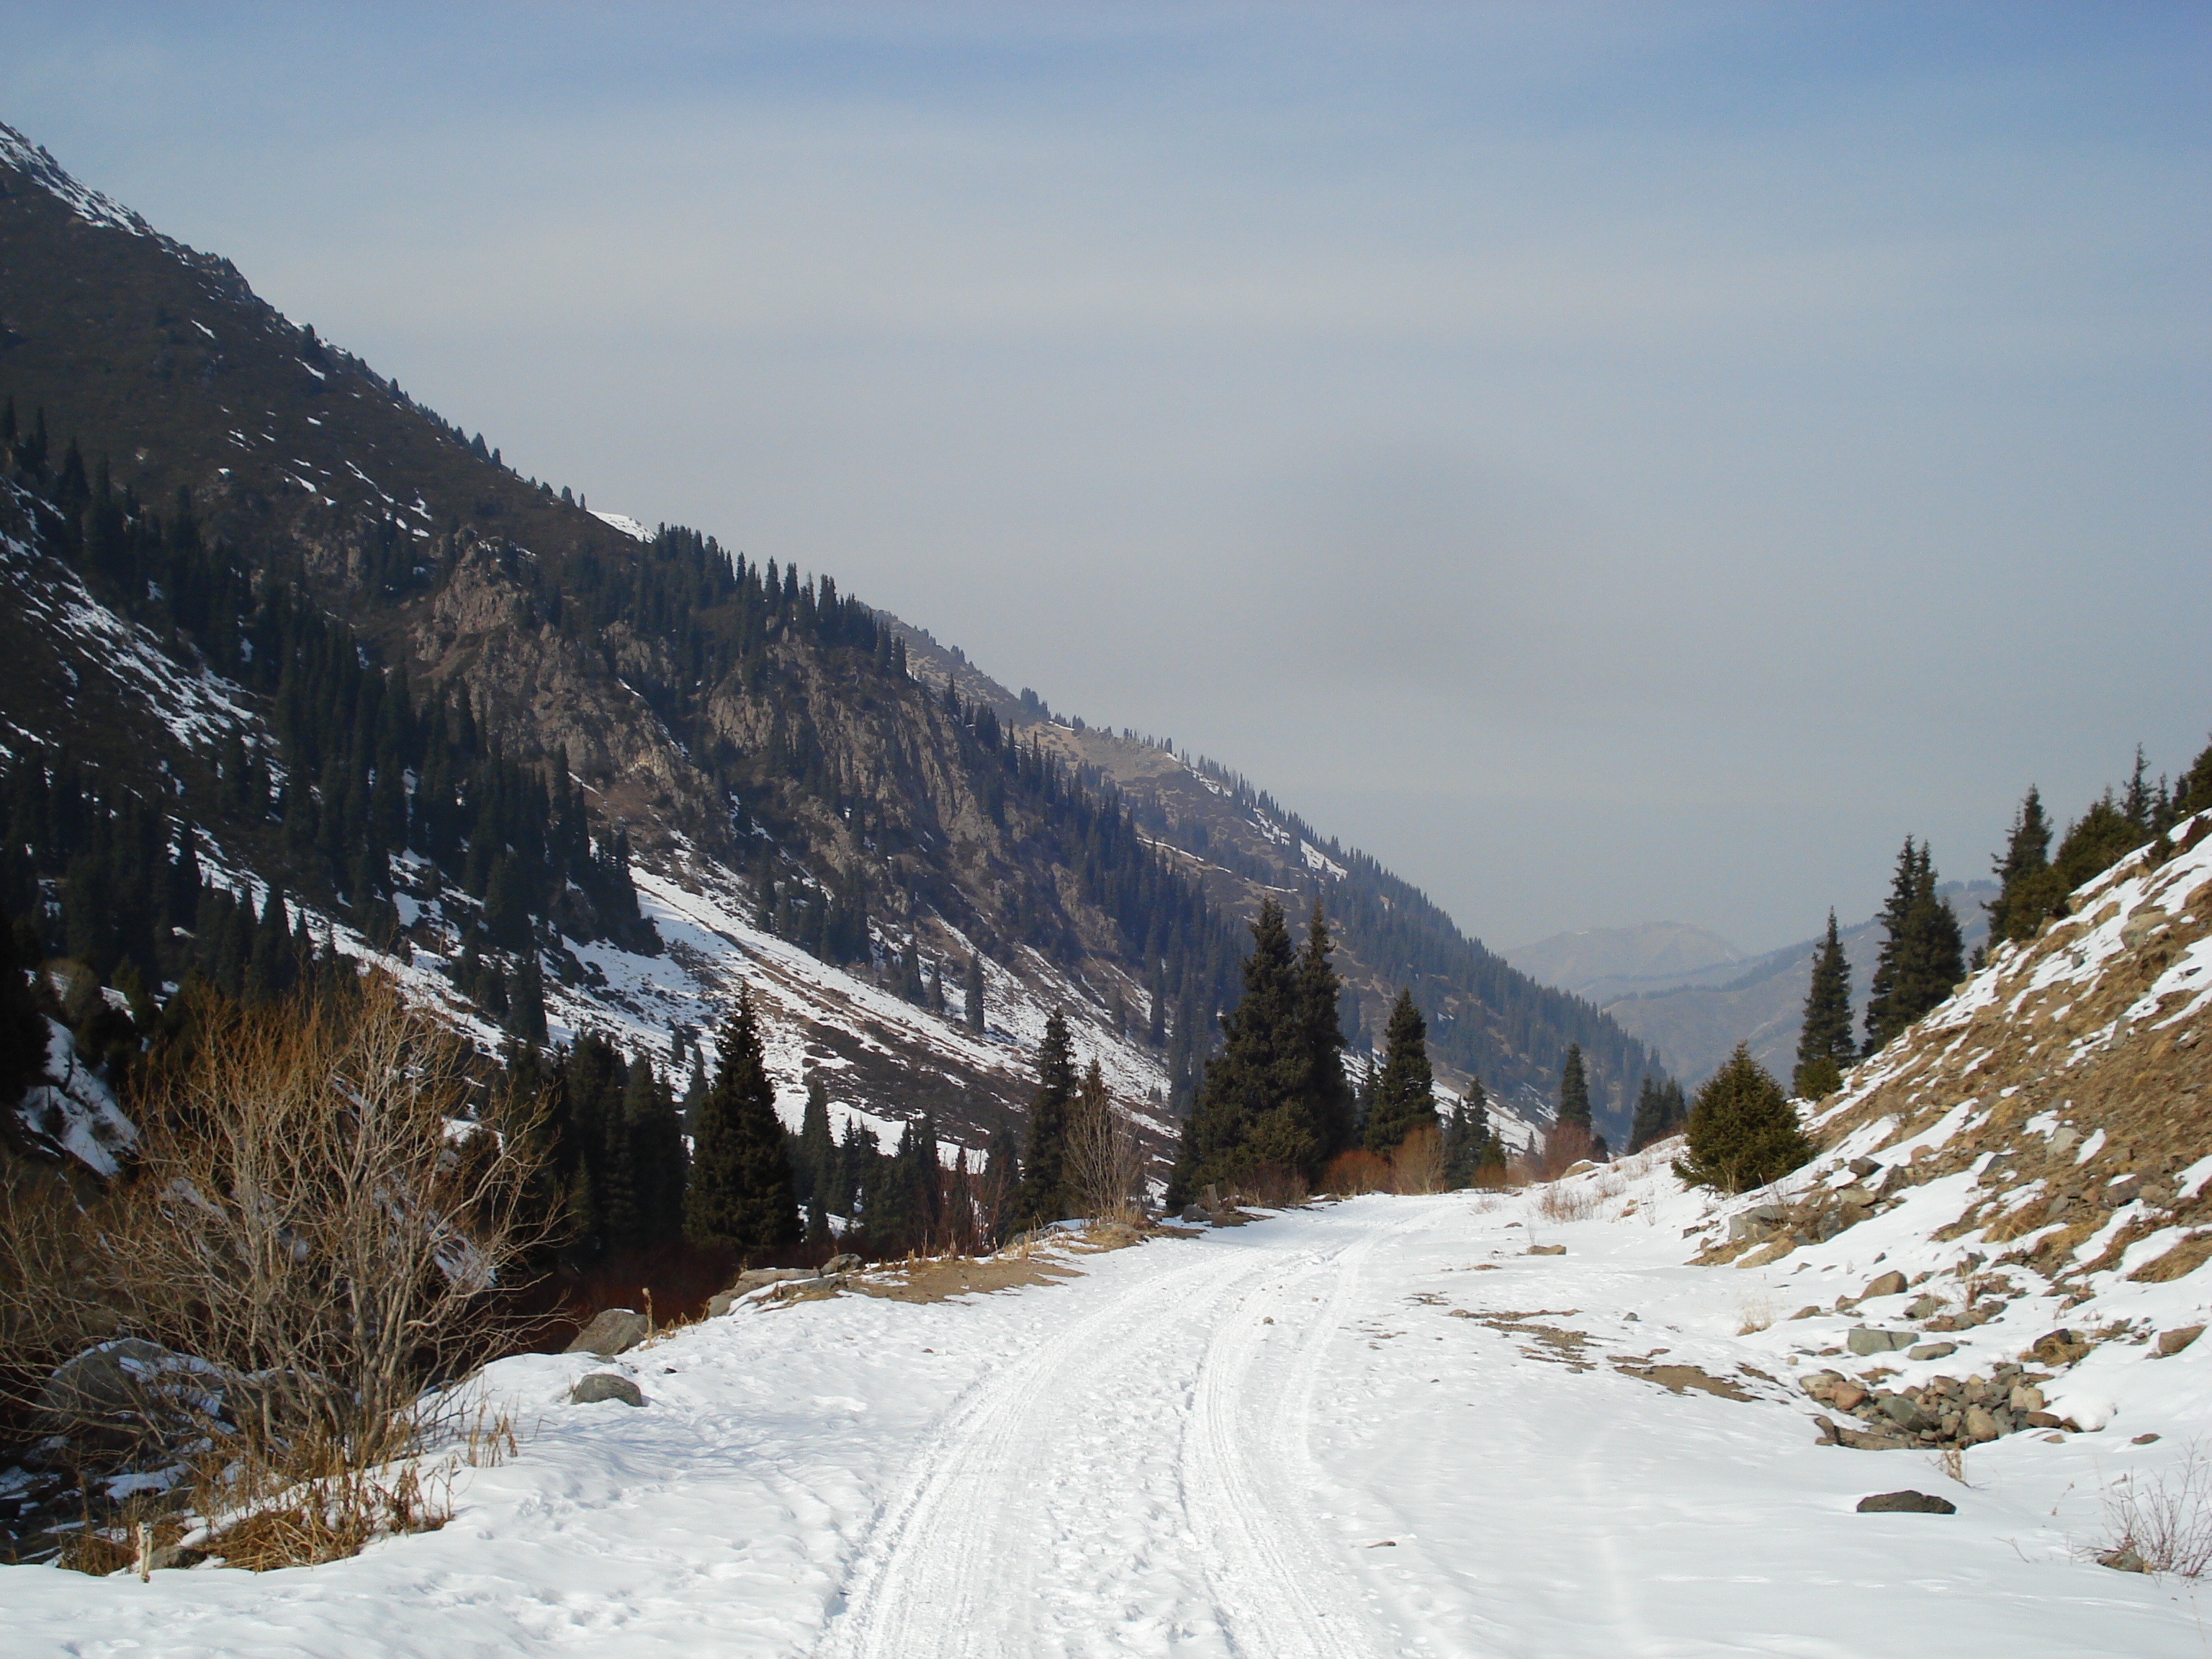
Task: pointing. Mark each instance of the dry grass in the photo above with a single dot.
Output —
(2163, 1521)
(1560, 1201)
(1755, 1314)
(1418, 1165)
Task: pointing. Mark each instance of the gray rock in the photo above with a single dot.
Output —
(843, 1264)
(1193, 1213)
(1890, 1283)
(1906, 1503)
(722, 1301)
(2025, 1398)
(1978, 1426)
(2124, 1559)
(616, 1331)
(1864, 1167)
(1932, 1350)
(2172, 1342)
(1925, 1307)
(133, 1390)
(1906, 1414)
(753, 1278)
(1864, 1340)
(605, 1385)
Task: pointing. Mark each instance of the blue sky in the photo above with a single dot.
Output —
(1614, 463)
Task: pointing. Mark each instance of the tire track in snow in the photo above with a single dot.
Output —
(1285, 1591)
(941, 1568)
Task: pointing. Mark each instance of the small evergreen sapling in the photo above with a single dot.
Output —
(1743, 1130)
(1824, 1044)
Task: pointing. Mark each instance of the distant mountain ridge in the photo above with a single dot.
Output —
(1599, 962)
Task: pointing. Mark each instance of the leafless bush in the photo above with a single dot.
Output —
(1271, 1186)
(314, 1229)
(2161, 1523)
(1564, 1201)
(1418, 1165)
(1104, 1161)
(1355, 1172)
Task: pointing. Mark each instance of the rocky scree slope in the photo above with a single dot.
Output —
(2017, 1192)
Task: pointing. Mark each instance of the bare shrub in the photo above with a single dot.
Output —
(1564, 1146)
(1271, 1186)
(1418, 1165)
(1561, 1201)
(314, 1229)
(1755, 1314)
(1355, 1172)
(2161, 1523)
(1104, 1161)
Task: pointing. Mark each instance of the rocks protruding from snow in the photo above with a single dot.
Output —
(1890, 1283)
(131, 1393)
(2170, 1343)
(1864, 1340)
(1906, 1503)
(1932, 1350)
(1548, 1250)
(616, 1330)
(605, 1385)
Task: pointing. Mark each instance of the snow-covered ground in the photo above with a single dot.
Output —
(1377, 1427)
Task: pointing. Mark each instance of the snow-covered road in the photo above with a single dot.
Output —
(1372, 1428)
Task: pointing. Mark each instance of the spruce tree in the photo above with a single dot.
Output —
(1922, 959)
(971, 1010)
(1265, 1058)
(1044, 1195)
(1574, 1089)
(1328, 1108)
(1743, 1130)
(1466, 1137)
(2025, 884)
(740, 1193)
(1824, 1042)
(22, 1027)
(1649, 1123)
(1404, 1089)
(811, 1161)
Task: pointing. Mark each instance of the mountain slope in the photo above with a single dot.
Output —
(448, 711)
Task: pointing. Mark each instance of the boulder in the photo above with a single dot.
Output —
(605, 1385)
(847, 1263)
(1907, 1413)
(131, 1391)
(1890, 1283)
(1864, 1340)
(1978, 1426)
(1864, 1167)
(2172, 1342)
(1925, 1307)
(1194, 1214)
(1932, 1350)
(616, 1330)
(1906, 1503)
(1548, 1250)
(2025, 1398)
(2059, 1347)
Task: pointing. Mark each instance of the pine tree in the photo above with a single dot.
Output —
(1922, 958)
(1404, 1089)
(740, 1193)
(811, 1160)
(22, 1027)
(1824, 1043)
(1265, 1057)
(972, 1004)
(1328, 1109)
(1649, 1121)
(2026, 886)
(1574, 1089)
(1743, 1130)
(1043, 1196)
(1468, 1141)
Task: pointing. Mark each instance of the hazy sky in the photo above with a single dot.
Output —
(1615, 463)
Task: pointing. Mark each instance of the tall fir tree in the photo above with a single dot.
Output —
(1922, 958)
(740, 1193)
(811, 1160)
(1404, 1089)
(971, 1009)
(1329, 1110)
(1574, 1089)
(2026, 886)
(1044, 1195)
(1265, 1057)
(1824, 1042)
(1469, 1147)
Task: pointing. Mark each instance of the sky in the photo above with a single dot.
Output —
(1615, 464)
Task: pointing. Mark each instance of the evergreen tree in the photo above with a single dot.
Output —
(1824, 1043)
(1267, 1057)
(1404, 1089)
(1468, 1141)
(971, 1010)
(1574, 1090)
(817, 1150)
(653, 1151)
(1743, 1130)
(22, 1027)
(1002, 1179)
(2026, 886)
(1328, 1108)
(1922, 957)
(1043, 1196)
(740, 1193)
(1649, 1124)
